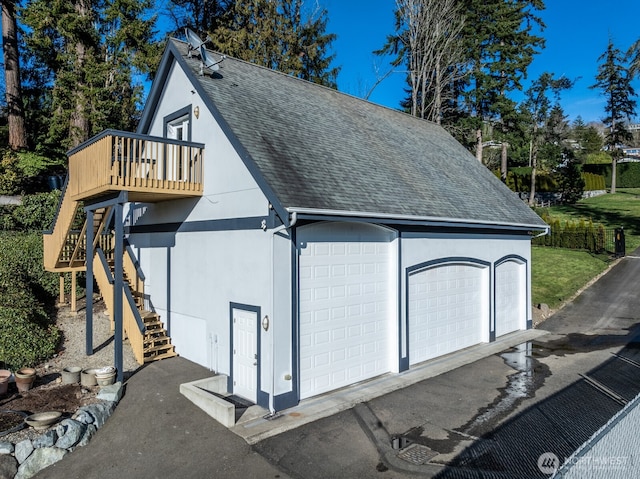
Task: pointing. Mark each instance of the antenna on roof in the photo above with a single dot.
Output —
(208, 61)
(195, 42)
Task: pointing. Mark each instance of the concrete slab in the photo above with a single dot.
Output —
(312, 409)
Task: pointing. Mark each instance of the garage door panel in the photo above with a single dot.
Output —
(350, 279)
(446, 309)
(510, 297)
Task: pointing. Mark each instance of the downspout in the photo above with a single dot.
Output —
(292, 222)
(545, 232)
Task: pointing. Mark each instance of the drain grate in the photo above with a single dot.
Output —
(417, 454)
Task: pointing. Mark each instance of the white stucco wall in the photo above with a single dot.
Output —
(193, 276)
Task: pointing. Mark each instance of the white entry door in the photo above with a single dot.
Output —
(245, 354)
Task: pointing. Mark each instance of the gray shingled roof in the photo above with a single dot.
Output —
(320, 149)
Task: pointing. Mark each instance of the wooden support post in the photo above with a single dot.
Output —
(89, 308)
(74, 305)
(118, 290)
(61, 297)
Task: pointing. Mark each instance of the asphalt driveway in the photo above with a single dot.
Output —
(491, 418)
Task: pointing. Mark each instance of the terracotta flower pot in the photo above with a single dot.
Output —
(25, 373)
(5, 374)
(25, 378)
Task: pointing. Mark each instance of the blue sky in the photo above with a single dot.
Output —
(576, 35)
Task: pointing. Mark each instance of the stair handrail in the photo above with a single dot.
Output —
(105, 265)
(134, 308)
(134, 260)
(60, 200)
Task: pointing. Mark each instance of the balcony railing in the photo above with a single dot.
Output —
(145, 166)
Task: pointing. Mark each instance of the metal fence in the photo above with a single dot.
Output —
(595, 240)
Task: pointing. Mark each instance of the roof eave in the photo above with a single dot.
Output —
(329, 215)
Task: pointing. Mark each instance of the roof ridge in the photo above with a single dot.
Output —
(320, 85)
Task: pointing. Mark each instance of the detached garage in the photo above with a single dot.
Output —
(333, 241)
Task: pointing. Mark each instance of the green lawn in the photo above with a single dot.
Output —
(558, 273)
(613, 211)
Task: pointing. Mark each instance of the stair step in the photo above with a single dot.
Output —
(153, 342)
(158, 357)
(152, 326)
(159, 348)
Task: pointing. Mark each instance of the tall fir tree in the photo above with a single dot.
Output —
(501, 42)
(614, 80)
(91, 50)
(200, 15)
(12, 81)
(278, 34)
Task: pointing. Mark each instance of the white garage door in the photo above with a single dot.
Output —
(447, 309)
(345, 291)
(510, 297)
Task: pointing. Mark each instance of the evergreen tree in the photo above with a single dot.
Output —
(199, 15)
(500, 44)
(570, 182)
(614, 79)
(90, 50)
(277, 34)
(13, 86)
(592, 141)
(545, 118)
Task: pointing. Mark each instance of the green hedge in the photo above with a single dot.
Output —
(580, 234)
(593, 182)
(519, 179)
(27, 321)
(628, 174)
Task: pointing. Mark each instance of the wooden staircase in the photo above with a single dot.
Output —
(66, 250)
(156, 342)
(149, 169)
(143, 328)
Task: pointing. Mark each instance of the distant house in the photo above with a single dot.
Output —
(630, 155)
(291, 237)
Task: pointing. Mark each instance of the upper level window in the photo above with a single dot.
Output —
(177, 124)
(178, 129)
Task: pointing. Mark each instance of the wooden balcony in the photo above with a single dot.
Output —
(150, 168)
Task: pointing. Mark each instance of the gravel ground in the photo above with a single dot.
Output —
(72, 352)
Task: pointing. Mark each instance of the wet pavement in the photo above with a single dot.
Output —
(490, 418)
(496, 417)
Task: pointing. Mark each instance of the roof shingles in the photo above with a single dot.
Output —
(323, 150)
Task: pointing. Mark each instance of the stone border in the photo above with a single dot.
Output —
(28, 457)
